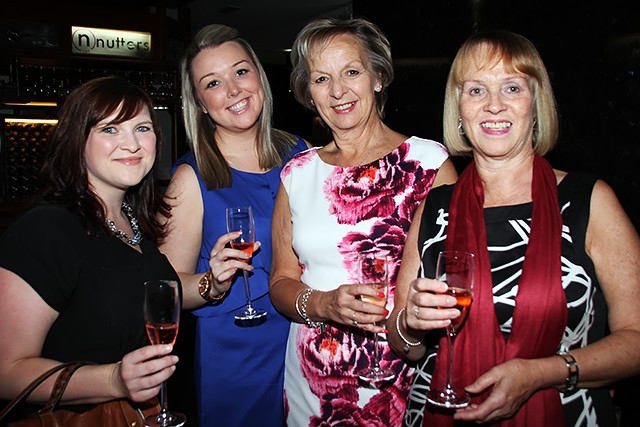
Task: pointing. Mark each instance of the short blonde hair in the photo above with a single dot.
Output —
(519, 55)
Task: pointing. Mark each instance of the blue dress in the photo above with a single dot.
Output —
(239, 370)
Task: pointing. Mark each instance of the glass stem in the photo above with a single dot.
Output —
(376, 359)
(452, 336)
(247, 290)
(163, 400)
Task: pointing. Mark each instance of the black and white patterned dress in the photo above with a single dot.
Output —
(508, 230)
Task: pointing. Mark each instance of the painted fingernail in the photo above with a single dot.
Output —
(384, 331)
(386, 312)
(380, 294)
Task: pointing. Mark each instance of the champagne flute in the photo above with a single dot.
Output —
(373, 270)
(456, 269)
(241, 219)
(162, 317)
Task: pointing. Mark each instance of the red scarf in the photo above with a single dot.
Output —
(540, 313)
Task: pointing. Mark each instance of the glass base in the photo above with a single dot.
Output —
(251, 313)
(377, 375)
(448, 398)
(166, 419)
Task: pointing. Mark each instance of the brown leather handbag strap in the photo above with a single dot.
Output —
(32, 386)
(61, 384)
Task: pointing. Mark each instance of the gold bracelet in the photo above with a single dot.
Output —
(206, 285)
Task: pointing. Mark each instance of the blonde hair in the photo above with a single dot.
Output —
(272, 144)
(519, 55)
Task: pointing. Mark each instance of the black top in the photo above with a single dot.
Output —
(507, 230)
(95, 283)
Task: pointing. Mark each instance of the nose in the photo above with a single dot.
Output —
(338, 89)
(495, 103)
(232, 90)
(129, 142)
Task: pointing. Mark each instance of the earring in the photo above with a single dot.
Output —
(535, 123)
(378, 88)
(312, 103)
(460, 128)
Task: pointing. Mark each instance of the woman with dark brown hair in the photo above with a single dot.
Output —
(72, 268)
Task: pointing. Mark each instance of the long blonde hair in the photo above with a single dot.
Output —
(272, 145)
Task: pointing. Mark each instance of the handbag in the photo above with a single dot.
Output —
(115, 413)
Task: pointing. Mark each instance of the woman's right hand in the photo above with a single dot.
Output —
(426, 306)
(140, 373)
(224, 261)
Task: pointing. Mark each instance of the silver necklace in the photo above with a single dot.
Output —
(137, 236)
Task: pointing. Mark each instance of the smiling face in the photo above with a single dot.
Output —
(119, 155)
(342, 84)
(228, 87)
(497, 111)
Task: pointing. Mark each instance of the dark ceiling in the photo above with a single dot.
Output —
(265, 24)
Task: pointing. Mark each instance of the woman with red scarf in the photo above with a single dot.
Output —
(555, 318)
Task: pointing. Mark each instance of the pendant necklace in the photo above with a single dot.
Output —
(137, 236)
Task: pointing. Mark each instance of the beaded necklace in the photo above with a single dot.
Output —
(137, 236)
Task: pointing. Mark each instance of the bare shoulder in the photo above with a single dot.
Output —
(183, 183)
(609, 226)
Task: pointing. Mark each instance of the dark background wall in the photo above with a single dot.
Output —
(591, 50)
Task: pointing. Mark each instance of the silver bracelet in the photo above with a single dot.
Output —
(407, 344)
(573, 374)
(301, 309)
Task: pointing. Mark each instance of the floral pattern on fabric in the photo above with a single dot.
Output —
(370, 191)
(330, 361)
(338, 213)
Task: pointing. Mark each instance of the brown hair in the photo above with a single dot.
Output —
(317, 34)
(65, 169)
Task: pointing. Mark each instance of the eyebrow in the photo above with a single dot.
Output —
(232, 66)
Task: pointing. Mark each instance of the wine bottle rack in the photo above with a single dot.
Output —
(25, 149)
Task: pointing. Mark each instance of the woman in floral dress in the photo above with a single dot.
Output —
(355, 195)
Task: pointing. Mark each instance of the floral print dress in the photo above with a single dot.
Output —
(337, 213)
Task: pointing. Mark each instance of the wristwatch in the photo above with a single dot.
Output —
(205, 285)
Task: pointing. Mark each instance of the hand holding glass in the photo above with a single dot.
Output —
(456, 269)
(241, 219)
(162, 317)
(373, 270)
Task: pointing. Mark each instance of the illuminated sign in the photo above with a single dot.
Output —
(100, 41)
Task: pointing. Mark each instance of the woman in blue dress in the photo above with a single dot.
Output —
(235, 160)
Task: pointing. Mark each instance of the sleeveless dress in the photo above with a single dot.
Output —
(239, 369)
(508, 236)
(338, 212)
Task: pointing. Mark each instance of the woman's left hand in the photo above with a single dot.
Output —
(513, 383)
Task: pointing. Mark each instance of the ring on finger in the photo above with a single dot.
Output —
(354, 321)
(416, 311)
